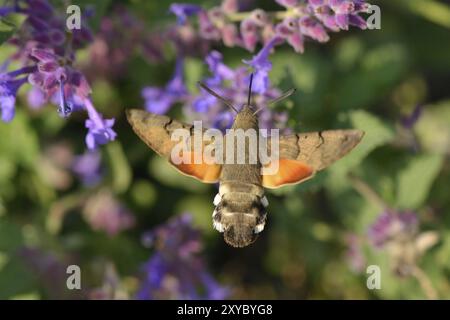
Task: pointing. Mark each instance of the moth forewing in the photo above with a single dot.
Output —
(269, 156)
(157, 132)
(213, 152)
(319, 149)
(198, 142)
(178, 154)
(324, 148)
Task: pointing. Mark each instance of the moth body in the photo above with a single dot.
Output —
(240, 212)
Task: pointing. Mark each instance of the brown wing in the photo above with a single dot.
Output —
(319, 149)
(156, 131)
(309, 153)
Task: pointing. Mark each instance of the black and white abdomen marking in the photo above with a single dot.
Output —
(240, 212)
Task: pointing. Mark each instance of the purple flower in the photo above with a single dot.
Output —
(183, 11)
(36, 98)
(104, 213)
(176, 269)
(49, 72)
(313, 29)
(390, 225)
(120, 36)
(49, 270)
(354, 254)
(252, 28)
(204, 102)
(290, 30)
(214, 291)
(224, 120)
(4, 11)
(398, 234)
(8, 91)
(339, 14)
(100, 130)
(310, 18)
(7, 107)
(214, 25)
(47, 56)
(159, 100)
(53, 79)
(208, 30)
(232, 84)
(41, 8)
(287, 3)
(230, 6)
(88, 167)
(111, 287)
(157, 267)
(249, 31)
(262, 66)
(65, 106)
(230, 35)
(410, 120)
(214, 60)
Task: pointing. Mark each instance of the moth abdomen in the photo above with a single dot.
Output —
(240, 217)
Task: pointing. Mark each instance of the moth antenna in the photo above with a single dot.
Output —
(280, 98)
(285, 95)
(215, 94)
(250, 89)
(257, 111)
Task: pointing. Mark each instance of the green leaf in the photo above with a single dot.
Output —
(376, 134)
(5, 35)
(10, 236)
(193, 71)
(415, 180)
(7, 29)
(119, 167)
(348, 53)
(15, 278)
(434, 11)
(144, 193)
(379, 69)
(7, 169)
(19, 141)
(432, 129)
(310, 75)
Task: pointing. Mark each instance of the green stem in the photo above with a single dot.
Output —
(60, 208)
(425, 283)
(367, 192)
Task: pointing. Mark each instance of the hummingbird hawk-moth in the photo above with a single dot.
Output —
(240, 205)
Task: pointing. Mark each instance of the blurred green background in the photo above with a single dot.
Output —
(362, 79)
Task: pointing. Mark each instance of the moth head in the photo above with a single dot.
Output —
(246, 118)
